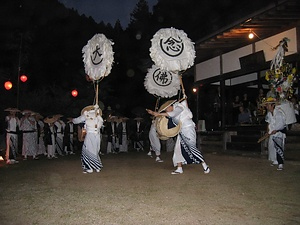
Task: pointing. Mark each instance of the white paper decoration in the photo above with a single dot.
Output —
(162, 83)
(289, 112)
(98, 57)
(172, 50)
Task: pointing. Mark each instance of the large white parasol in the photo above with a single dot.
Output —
(172, 50)
(98, 57)
(164, 84)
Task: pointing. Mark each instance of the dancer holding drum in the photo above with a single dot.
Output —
(185, 150)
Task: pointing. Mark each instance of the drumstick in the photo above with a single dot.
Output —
(263, 138)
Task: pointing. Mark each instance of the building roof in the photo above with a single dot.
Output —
(276, 17)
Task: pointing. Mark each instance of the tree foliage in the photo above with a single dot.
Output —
(45, 40)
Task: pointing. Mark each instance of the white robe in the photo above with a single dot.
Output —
(185, 151)
(276, 121)
(155, 144)
(29, 147)
(90, 158)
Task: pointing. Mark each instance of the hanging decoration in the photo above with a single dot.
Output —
(172, 50)
(23, 78)
(164, 84)
(8, 85)
(98, 57)
(74, 93)
(281, 75)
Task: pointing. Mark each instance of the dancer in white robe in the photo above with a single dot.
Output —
(276, 129)
(90, 159)
(185, 150)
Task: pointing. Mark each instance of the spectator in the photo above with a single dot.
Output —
(259, 98)
(246, 103)
(244, 116)
(112, 135)
(69, 145)
(235, 112)
(123, 137)
(49, 136)
(29, 127)
(40, 135)
(138, 134)
(13, 124)
(59, 126)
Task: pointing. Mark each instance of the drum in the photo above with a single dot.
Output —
(165, 127)
(163, 138)
(81, 134)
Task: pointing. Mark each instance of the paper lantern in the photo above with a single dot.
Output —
(74, 93)
(8, 85)
(23, 78)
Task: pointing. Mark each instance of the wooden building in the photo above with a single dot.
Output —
(228, 63)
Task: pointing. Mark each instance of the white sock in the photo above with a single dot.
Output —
(179, 169)
(204, 165)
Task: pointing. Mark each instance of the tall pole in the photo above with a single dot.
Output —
(19, 71)
(97, 91)
(197, 105)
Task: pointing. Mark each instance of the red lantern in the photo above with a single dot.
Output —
(8, 85)
(23, 78)
(74, 93)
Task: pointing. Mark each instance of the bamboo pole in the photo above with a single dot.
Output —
(97, 91)
(157, 103)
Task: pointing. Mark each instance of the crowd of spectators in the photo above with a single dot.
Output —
(29, 135)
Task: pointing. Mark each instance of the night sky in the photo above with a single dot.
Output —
(107, 11)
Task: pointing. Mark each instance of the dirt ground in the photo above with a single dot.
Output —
(133, 189)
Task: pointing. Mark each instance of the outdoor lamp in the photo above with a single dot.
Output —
(251, 35)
